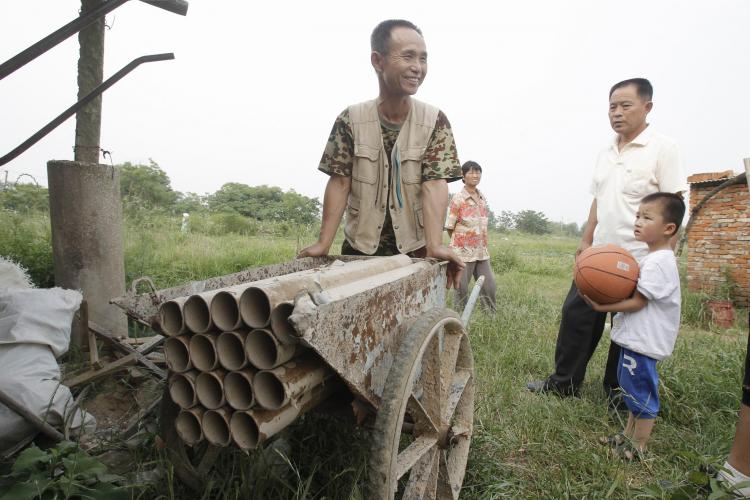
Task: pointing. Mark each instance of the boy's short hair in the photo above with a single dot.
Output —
(470, 165)
(672, 207)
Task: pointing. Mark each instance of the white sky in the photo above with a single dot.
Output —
(255, 87)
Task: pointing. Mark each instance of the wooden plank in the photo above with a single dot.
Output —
(114, 342)
(37, 422)
(108, 369)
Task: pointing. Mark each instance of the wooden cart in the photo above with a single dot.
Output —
(396, 348)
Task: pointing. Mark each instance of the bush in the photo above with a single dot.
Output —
(27, 240)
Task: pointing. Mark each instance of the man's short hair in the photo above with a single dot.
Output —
(643, 88)
(381, 35)
(672, 207)
(470, 165)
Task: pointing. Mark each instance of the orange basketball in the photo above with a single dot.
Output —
(606, 274)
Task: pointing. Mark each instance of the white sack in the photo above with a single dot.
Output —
(34, 330)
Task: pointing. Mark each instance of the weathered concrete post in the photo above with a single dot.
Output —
(85, 206)
(86, 219)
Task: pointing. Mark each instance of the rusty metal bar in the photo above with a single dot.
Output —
(75, 107)
(29, 54)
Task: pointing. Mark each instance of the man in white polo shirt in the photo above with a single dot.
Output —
(639, 161)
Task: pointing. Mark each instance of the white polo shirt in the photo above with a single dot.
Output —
(650, 163)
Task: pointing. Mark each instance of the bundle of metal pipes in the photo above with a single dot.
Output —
(238, 368)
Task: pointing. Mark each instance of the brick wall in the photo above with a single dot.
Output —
(720, 236)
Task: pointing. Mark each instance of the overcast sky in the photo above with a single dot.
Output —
(255, 87)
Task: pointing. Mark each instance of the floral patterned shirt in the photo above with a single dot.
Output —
(467, 218)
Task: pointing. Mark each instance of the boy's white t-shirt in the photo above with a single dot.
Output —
(652, 331)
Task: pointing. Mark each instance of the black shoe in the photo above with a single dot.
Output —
(547, 386)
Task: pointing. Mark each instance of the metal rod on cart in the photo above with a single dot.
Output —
(466, 316)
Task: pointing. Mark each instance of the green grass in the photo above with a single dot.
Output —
(525, 445)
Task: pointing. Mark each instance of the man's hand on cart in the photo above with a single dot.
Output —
(317, 249)
(455, 264)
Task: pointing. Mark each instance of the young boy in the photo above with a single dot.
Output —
(647, 325)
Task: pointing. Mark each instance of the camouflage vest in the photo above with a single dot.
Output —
(368, 197)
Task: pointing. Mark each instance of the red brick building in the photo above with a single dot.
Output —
(719, 240)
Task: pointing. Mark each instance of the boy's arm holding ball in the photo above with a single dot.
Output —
(635, 303)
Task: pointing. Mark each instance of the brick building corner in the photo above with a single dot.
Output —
(720, 236)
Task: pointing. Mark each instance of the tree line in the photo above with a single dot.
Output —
(148, 187)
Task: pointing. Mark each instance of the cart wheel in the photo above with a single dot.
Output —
(424, 424)
(191, 464)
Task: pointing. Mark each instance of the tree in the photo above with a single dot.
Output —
(506, 221)
(530, 221)
(190, 203)
(265, 203)
(146, 184)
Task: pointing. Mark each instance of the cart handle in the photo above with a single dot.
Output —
(466, 315)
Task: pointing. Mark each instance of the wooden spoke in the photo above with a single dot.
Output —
(432, 481)
(430, 379)
(447, 486)
(420, 474)
(423, 424)
(457, 386)
(451, 346)
(411, 455)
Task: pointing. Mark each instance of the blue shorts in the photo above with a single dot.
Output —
(639, 383)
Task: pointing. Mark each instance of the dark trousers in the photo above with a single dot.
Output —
(580, 330)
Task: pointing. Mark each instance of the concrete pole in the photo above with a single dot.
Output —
(90, 75)
(87, 247)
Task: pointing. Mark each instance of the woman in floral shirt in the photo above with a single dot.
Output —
(467, 226)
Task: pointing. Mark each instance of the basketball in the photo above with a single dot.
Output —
(606, 274)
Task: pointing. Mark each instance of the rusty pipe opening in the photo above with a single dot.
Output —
(170, 317)
(230, 347)
(203, 352)
(197, 314)
(282, 328)
(177, 353)
(182, 389)
(188, 425)
(225, 311)
(216, 427)
(269, 390)
(244, 430)
(264, 351)
(238, 389)
(255, 307)
(209, 387)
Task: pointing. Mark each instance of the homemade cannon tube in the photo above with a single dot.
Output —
(278, 387)
(197, 312)
(209, 386)
(177, 353)
(188, 425)
(171, 318)
(203, 351)
(230, 348)
(182, 389)
(216, 426)
(238, 389)
(264, 351)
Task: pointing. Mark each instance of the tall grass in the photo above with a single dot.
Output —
(525, 445)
